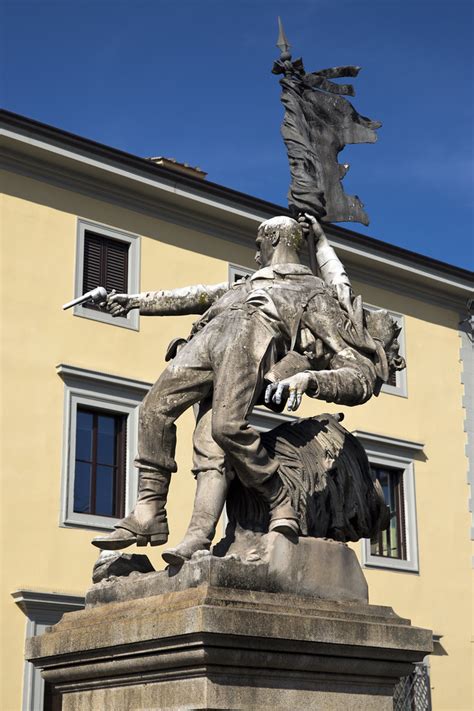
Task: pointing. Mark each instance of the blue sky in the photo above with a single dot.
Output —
(190, 79)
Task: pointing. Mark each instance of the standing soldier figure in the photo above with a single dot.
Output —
(246, 330)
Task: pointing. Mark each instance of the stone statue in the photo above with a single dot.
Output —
(281, 321)
(285, 331)
(331, 487)
(277, 615)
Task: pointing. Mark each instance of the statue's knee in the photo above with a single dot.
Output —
(225, 434)
(220, 433)
(218, 437)
(151, 413)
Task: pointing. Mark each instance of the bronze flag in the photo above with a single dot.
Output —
(318, 123)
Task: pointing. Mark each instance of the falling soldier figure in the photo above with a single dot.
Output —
(247, 329)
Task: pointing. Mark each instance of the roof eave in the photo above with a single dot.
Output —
(42, 141)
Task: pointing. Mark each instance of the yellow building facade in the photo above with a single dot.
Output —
(181, 229)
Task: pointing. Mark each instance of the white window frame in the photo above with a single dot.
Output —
(392, 453)
(401, 388)
(235, 270)
(132, 320)
(264, 420)
(105, 392)
(42, 609)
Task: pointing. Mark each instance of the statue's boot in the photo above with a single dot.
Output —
(211, 492)
(147, 523)
(283, 517)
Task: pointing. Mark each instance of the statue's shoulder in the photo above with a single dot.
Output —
(315, 284)
(322, 295)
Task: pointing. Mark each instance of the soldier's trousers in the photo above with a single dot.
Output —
(229, 359)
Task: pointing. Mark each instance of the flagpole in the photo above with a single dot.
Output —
(285, 57)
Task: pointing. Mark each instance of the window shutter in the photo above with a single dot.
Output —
(116, 266)
(402, 517)
(105, 264)
(93, 259)
(392, 380)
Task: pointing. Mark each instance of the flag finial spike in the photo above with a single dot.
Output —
(282, 42)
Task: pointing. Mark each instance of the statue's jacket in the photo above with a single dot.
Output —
(303, 313)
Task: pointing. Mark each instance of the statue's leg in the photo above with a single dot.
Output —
(238, 380)
(212, 485)
(185, 381)
(211, 492)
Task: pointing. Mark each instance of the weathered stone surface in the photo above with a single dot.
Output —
(325, 569)
(328, 472)
(310, 568)
(225, 648)
(110, 563)
(314, 478)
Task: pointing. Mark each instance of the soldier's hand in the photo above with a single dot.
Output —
(305, 224)
(316, 227)
(345, 297)
(292, 388)
(118, 304)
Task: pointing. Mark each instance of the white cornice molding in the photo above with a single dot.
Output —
(129, 198)
(103, 167)
(32, 601)
(72, 372)
(414, 271)
(267, 419)
(401, 283)
(372, 439)
(218, 216)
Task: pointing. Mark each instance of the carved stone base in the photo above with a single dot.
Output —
(194, 639)
(271, 563)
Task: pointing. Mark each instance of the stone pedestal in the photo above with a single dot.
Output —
(221, 634)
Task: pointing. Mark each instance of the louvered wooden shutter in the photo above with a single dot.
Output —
(116, 265)
(392, 380)
(105, 264)
(93, 259)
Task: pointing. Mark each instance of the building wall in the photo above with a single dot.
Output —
(38, 262)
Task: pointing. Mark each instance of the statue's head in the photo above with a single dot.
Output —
(383, 328)
(283, 231)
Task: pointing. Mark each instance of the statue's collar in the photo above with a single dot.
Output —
(280, 269)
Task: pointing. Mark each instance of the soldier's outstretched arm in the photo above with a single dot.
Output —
(330, 266)
(349, 381)
(173, 302)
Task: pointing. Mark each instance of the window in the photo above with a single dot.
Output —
(106, 257)
(105, 264)
(397, 384)
(391, 543)
(99, 480)
(393, 463)
(236, 273)
(42, 609)
(99, 472)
